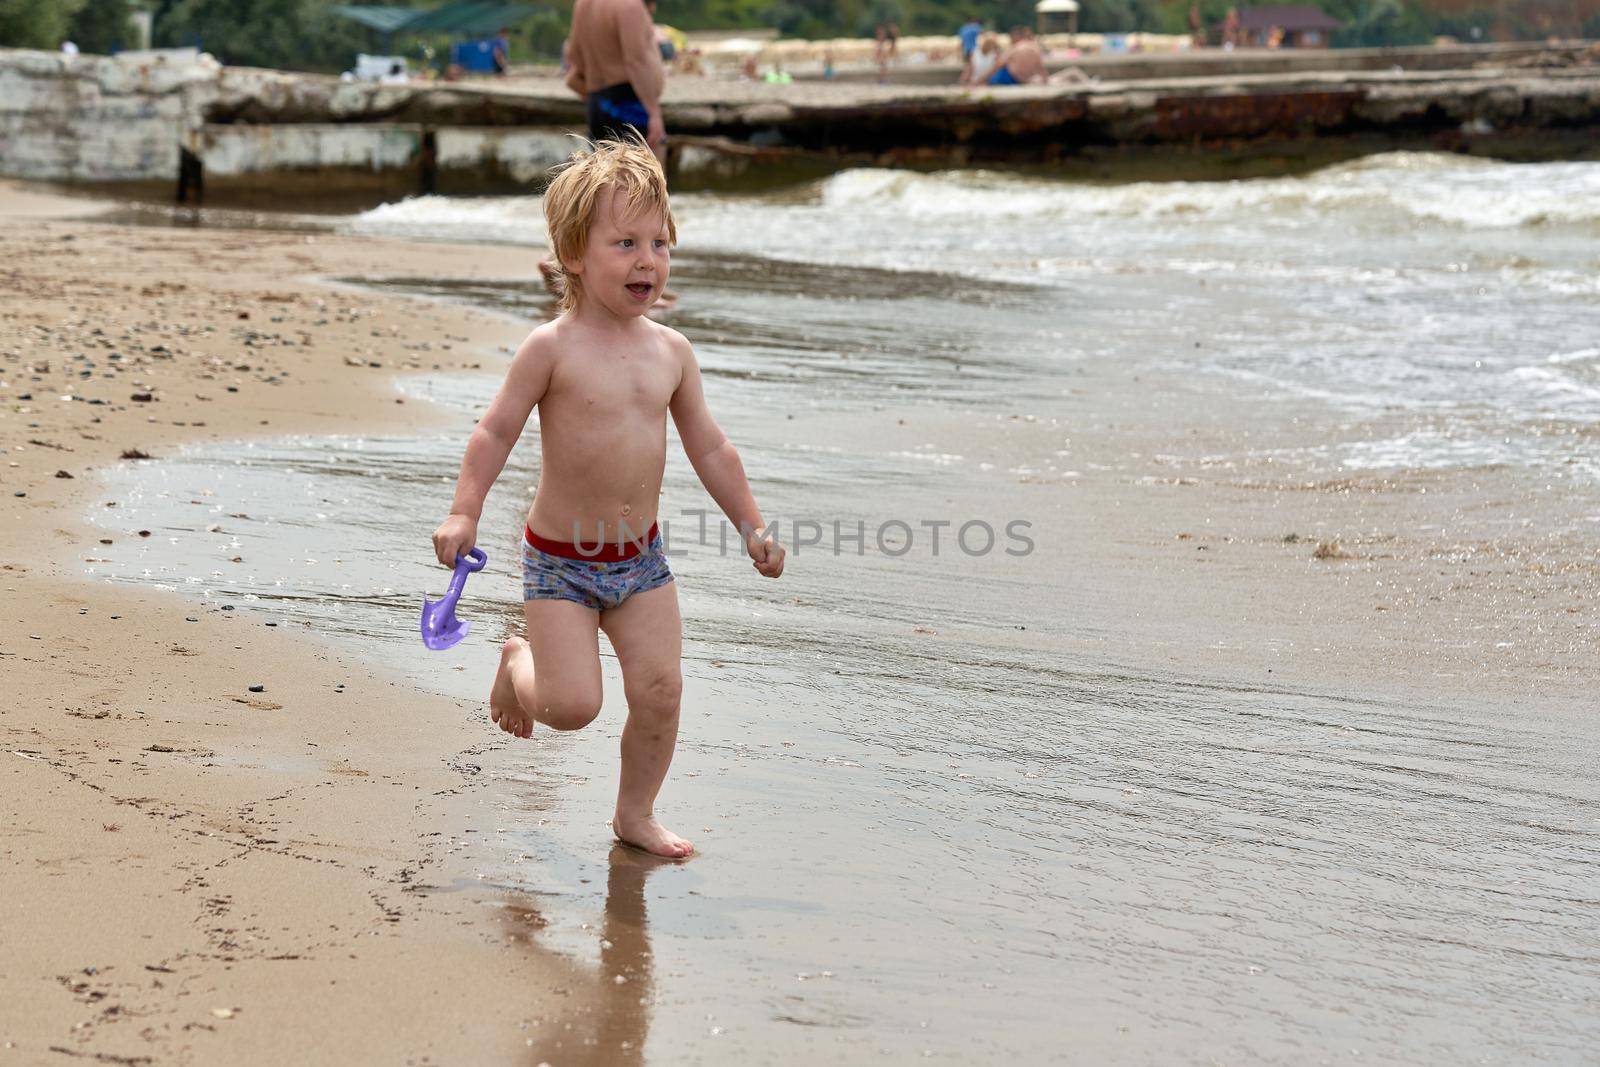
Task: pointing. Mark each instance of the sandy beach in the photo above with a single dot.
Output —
(228, 840)
(196, 871)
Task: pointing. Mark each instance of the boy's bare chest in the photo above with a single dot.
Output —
(615, 383)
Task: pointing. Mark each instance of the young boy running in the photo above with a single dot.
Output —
(604, 377)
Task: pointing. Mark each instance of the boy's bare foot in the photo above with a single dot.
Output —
(504, 708)
(648, 834)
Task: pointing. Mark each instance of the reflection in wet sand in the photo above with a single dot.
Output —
(610, 1015)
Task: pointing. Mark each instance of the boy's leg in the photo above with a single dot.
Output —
(552, 677)
(648, 636)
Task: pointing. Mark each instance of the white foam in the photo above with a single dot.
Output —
(500, 219)
(1469, 192)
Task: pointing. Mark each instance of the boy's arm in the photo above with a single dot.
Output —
(717, 463)
(491, 443)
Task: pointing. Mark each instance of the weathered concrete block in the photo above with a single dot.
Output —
(1394, 105)
(229, 150)
(690, 118)
(37, 64)
(1570, 103)
(766, 114)
(524, 155)
(23, 91)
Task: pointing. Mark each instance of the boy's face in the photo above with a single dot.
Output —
(625, 266)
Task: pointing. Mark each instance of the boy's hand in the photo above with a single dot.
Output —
(455, 536)
(765, 552)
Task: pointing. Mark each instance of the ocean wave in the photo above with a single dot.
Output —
(1461, 191)
(500, 219)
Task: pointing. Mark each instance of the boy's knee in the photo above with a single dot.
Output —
(570, 713)
(658, 694)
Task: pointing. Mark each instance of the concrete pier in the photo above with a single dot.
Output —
(128, 118)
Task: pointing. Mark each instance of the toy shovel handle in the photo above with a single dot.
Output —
(472, 562)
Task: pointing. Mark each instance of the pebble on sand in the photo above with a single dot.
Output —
(1329, 550)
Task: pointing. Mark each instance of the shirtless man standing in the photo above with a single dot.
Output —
(615, 65)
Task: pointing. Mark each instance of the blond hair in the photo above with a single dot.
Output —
(573, 197)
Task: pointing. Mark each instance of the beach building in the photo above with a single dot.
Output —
(1056, 16)
(1300, 26)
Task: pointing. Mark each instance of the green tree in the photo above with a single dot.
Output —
(103, 26)
(36, 23)
(282, 34)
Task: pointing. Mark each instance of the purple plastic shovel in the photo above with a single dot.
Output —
(440, 627)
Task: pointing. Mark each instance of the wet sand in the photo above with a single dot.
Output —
(249, 855)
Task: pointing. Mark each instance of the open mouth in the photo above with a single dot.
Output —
(641, 290)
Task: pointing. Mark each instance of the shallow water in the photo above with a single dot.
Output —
(931, 824)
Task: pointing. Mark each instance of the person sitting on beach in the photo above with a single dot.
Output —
(983, 61)
(1023, 62)
(604, 378)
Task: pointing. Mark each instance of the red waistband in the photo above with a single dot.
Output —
(595, 553)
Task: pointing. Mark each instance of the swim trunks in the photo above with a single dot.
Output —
(599, 576)
(1003, 77)
(616, 112)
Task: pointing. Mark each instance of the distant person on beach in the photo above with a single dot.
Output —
(615, 65)
(664, 43)
(1231, 29)
(501, 55)
(969, 33)
(983, 61)
(613, 62)
(1023, 63)
(604, 379)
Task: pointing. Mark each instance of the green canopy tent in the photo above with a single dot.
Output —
(468, 18)
(471, 18)
(386, 20)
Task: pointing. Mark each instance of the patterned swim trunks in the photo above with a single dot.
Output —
(598, 577)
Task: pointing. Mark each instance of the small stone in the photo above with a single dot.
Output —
(63, 474)
(258, 689)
